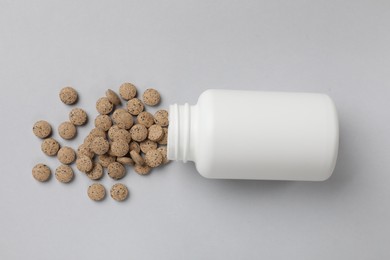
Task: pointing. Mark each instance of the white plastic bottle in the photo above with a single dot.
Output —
(232, 134)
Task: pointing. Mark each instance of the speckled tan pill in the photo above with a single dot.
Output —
(119, 148)
(163, 151)
(67, 130)
(41, 172)
(112, 131)
(42, 129)
(66, 155)
(122, 119)
(116, 170)
(127, 91)
(125, 160)
(135, 106)
(151, 97)
(96, 173)
(64, 173)
(121, 134)
(84, 149)
(68, 95)
(161, 118)
(153, 158)
(134, 146)
(50, 147)
(145, 118)
(106, 159)
(104, 106)
(138, 132)
(78, 116)
(119, 192)
(164, 140)
(103, 122)
(113, 97)
(84, 163)
(147, 145)
(97, 132)
(142, 169)
(96, 192)
(156, 133)
(100, 146)
(137, 158)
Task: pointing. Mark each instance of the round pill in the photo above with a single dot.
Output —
(153, 158)
(105, 160)
(119, 148)
(78, 116)
(122, 119)
(148, 145)
(103, 122)
(127, 91)
(163, 151)
(116, 170)
(100, 145)
(164, 140)
(66, 155)
(96, 173)
(96, 192)
(138, 132)
(42, 129)
(64, 173)
(134, 146)
(151, 97)
(125, 160)
(41, 172)
(67, 130)
(161, 118)
(84, 149)
(121, 134)
(104, 106)
(113, 97)
(119, 192)
(137, 158)
(84, 163)
(97, 132)
(113, 129)
(68, 95)
(156, 133)
(50, 146)
(142, 169)
(145, 118)
(135, 106)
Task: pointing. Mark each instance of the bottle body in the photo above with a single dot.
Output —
(233, 134)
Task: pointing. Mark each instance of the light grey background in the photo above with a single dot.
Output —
(183, 48)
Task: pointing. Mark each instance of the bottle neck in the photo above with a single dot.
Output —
(182, 132)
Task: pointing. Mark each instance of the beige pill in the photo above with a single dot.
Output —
(161, 118)
(84, 163)
(127, 91)
(50, 146)
(78, 116)
(100, 146)
(151, 97)
(68, 95)
(134, 146)
(116, 170)
(96, 173)
(145, 118)
(41, 172)
(106, 159)
(122, 119)
(84, 149)
(135, 106)
(125, 160)
(138, 132)
(103, 122)
(119, 148)
(121, 134)
(97, 132)
(96, 192)
(64, 173)
(164, 140)
(156, 133)
(148, 145)
(163, 151)
(42, 129)
(137, 158)
(142, 169)
(112, 131)
(67, 130)
(113, 97)
(153, 158)
(104, 106)
(119, 192)
(66, 155)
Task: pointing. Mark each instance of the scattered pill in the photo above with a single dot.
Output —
(153, 158)
(67, 130)
(119, 192)
(113, 97)
(163, 151)
(96, 173)
(106, 159)
(103, 122)
(84, 149)
(122, 119)
(148, 145)
(66, 155)
(64, 173)
(161, 118)
(116, 170)
(145, 118)
(156, 133)
(96, 192)
(41, 172)
(50, 146)
(135, 106)
(104, 106)
(78, 116)
(151, 97)
(100, 145)
(68, 95)
(127, 91)
(42, 129)
(84, 163)
(119, 148)
(139, 132)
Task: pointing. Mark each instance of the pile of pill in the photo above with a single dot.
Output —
(122, 137)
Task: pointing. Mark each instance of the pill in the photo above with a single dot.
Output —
(68, 95)
(161, 118)
(100, 145)
(135, 106)
(66, 155)
(134, 146)
(156, 133)
(84, 149)
(125, 160)
(41, 172)
(122, 119)
(50, 146)
(116, 170)
(106, 159)
(153, 158)
(96, 192)
(139, 132)
(96, 173)
(151, 97)
(119, 148)
(67, 130)
(84, 163)
(104, 106)
(145, 118)
(103, 122)
(137, 158)
(147, 145)
(78, 116)
(163, 151)
(127, 91)
(113, 97)
(64, 173)
(142, 169)
(164, 139)
(119, 192)
(121, 134)
(42, 129)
